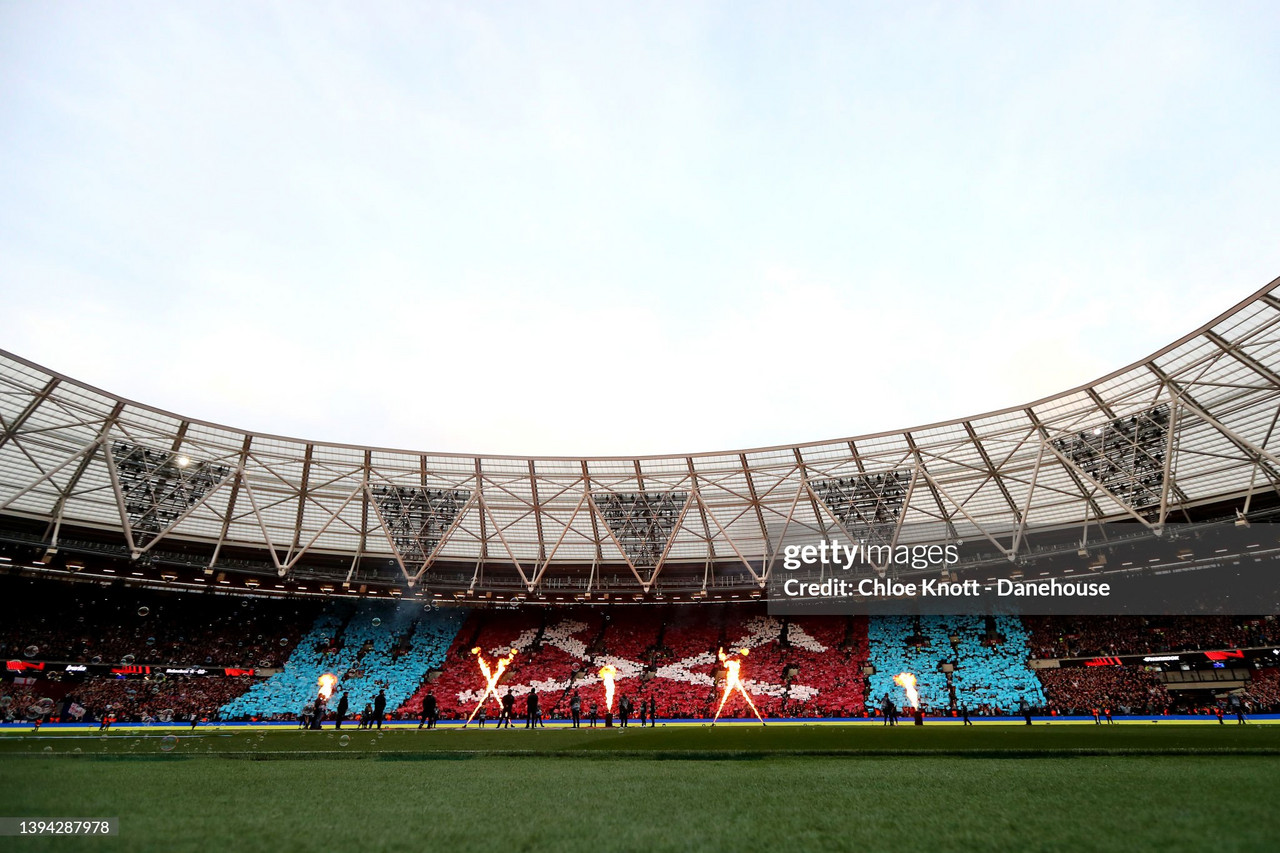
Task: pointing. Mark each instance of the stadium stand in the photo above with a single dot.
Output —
(369, 646)
(1264, 690)
(1081, 689)
(1077, 636)
(130, 625)
(989, 657)
(795, 667)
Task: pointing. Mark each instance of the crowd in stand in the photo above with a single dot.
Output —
(1079, 690)
(1090, 636)
(178, 698)
(367, 646)
(128, 625)
(1264, 689)
(667, 656)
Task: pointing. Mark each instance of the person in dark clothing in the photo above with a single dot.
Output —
(889, 710)
(429, 710)
(964, 713)
(653, 712)
(595, 713)
(575, 709)
(532, 715)
(343, 707)
(379, 707)
(318, 716)
(508, 709)
(644, 711)
(624, 711)
(1024, 708)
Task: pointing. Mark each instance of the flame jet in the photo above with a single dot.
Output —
(732, 682)
(607, 674)
(327, 683)
(907, 682)
(491, 679)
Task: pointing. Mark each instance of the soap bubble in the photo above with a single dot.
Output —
(168, 743)
(344, 740)
(143, 610)
(32, 651)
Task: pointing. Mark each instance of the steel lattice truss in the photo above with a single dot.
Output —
(160, 487)
(417, 519)
(1192, 425)
(1126, 456)
(868, 506)
(642, 524)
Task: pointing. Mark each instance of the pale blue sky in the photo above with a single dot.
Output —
(580, 228)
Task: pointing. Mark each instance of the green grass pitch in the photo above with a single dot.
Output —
(731, 788)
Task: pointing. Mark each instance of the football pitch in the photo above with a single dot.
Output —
(731, 788)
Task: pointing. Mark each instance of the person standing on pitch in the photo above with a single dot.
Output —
(624, 711)
(595, 712)
(1024, 708)
(429, 708)
(575, 709)
(653, 712)
(318, 714)
(964, 713)
(343, 706)
(379, 707)
(1237, 707)
(508, 709)
(531, 712)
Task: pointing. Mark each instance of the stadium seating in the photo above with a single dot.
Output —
(1076, 636)
(797, 666)
(990, 662)
(668, 655)
(1079, 690)
(138, 626)
(369, 646)
(1264, 690)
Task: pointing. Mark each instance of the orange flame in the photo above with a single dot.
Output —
(733, 681)
(327, 682)
(607, 674)
(490, 677)
(907, 682)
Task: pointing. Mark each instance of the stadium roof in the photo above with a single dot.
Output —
(1190, 426)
